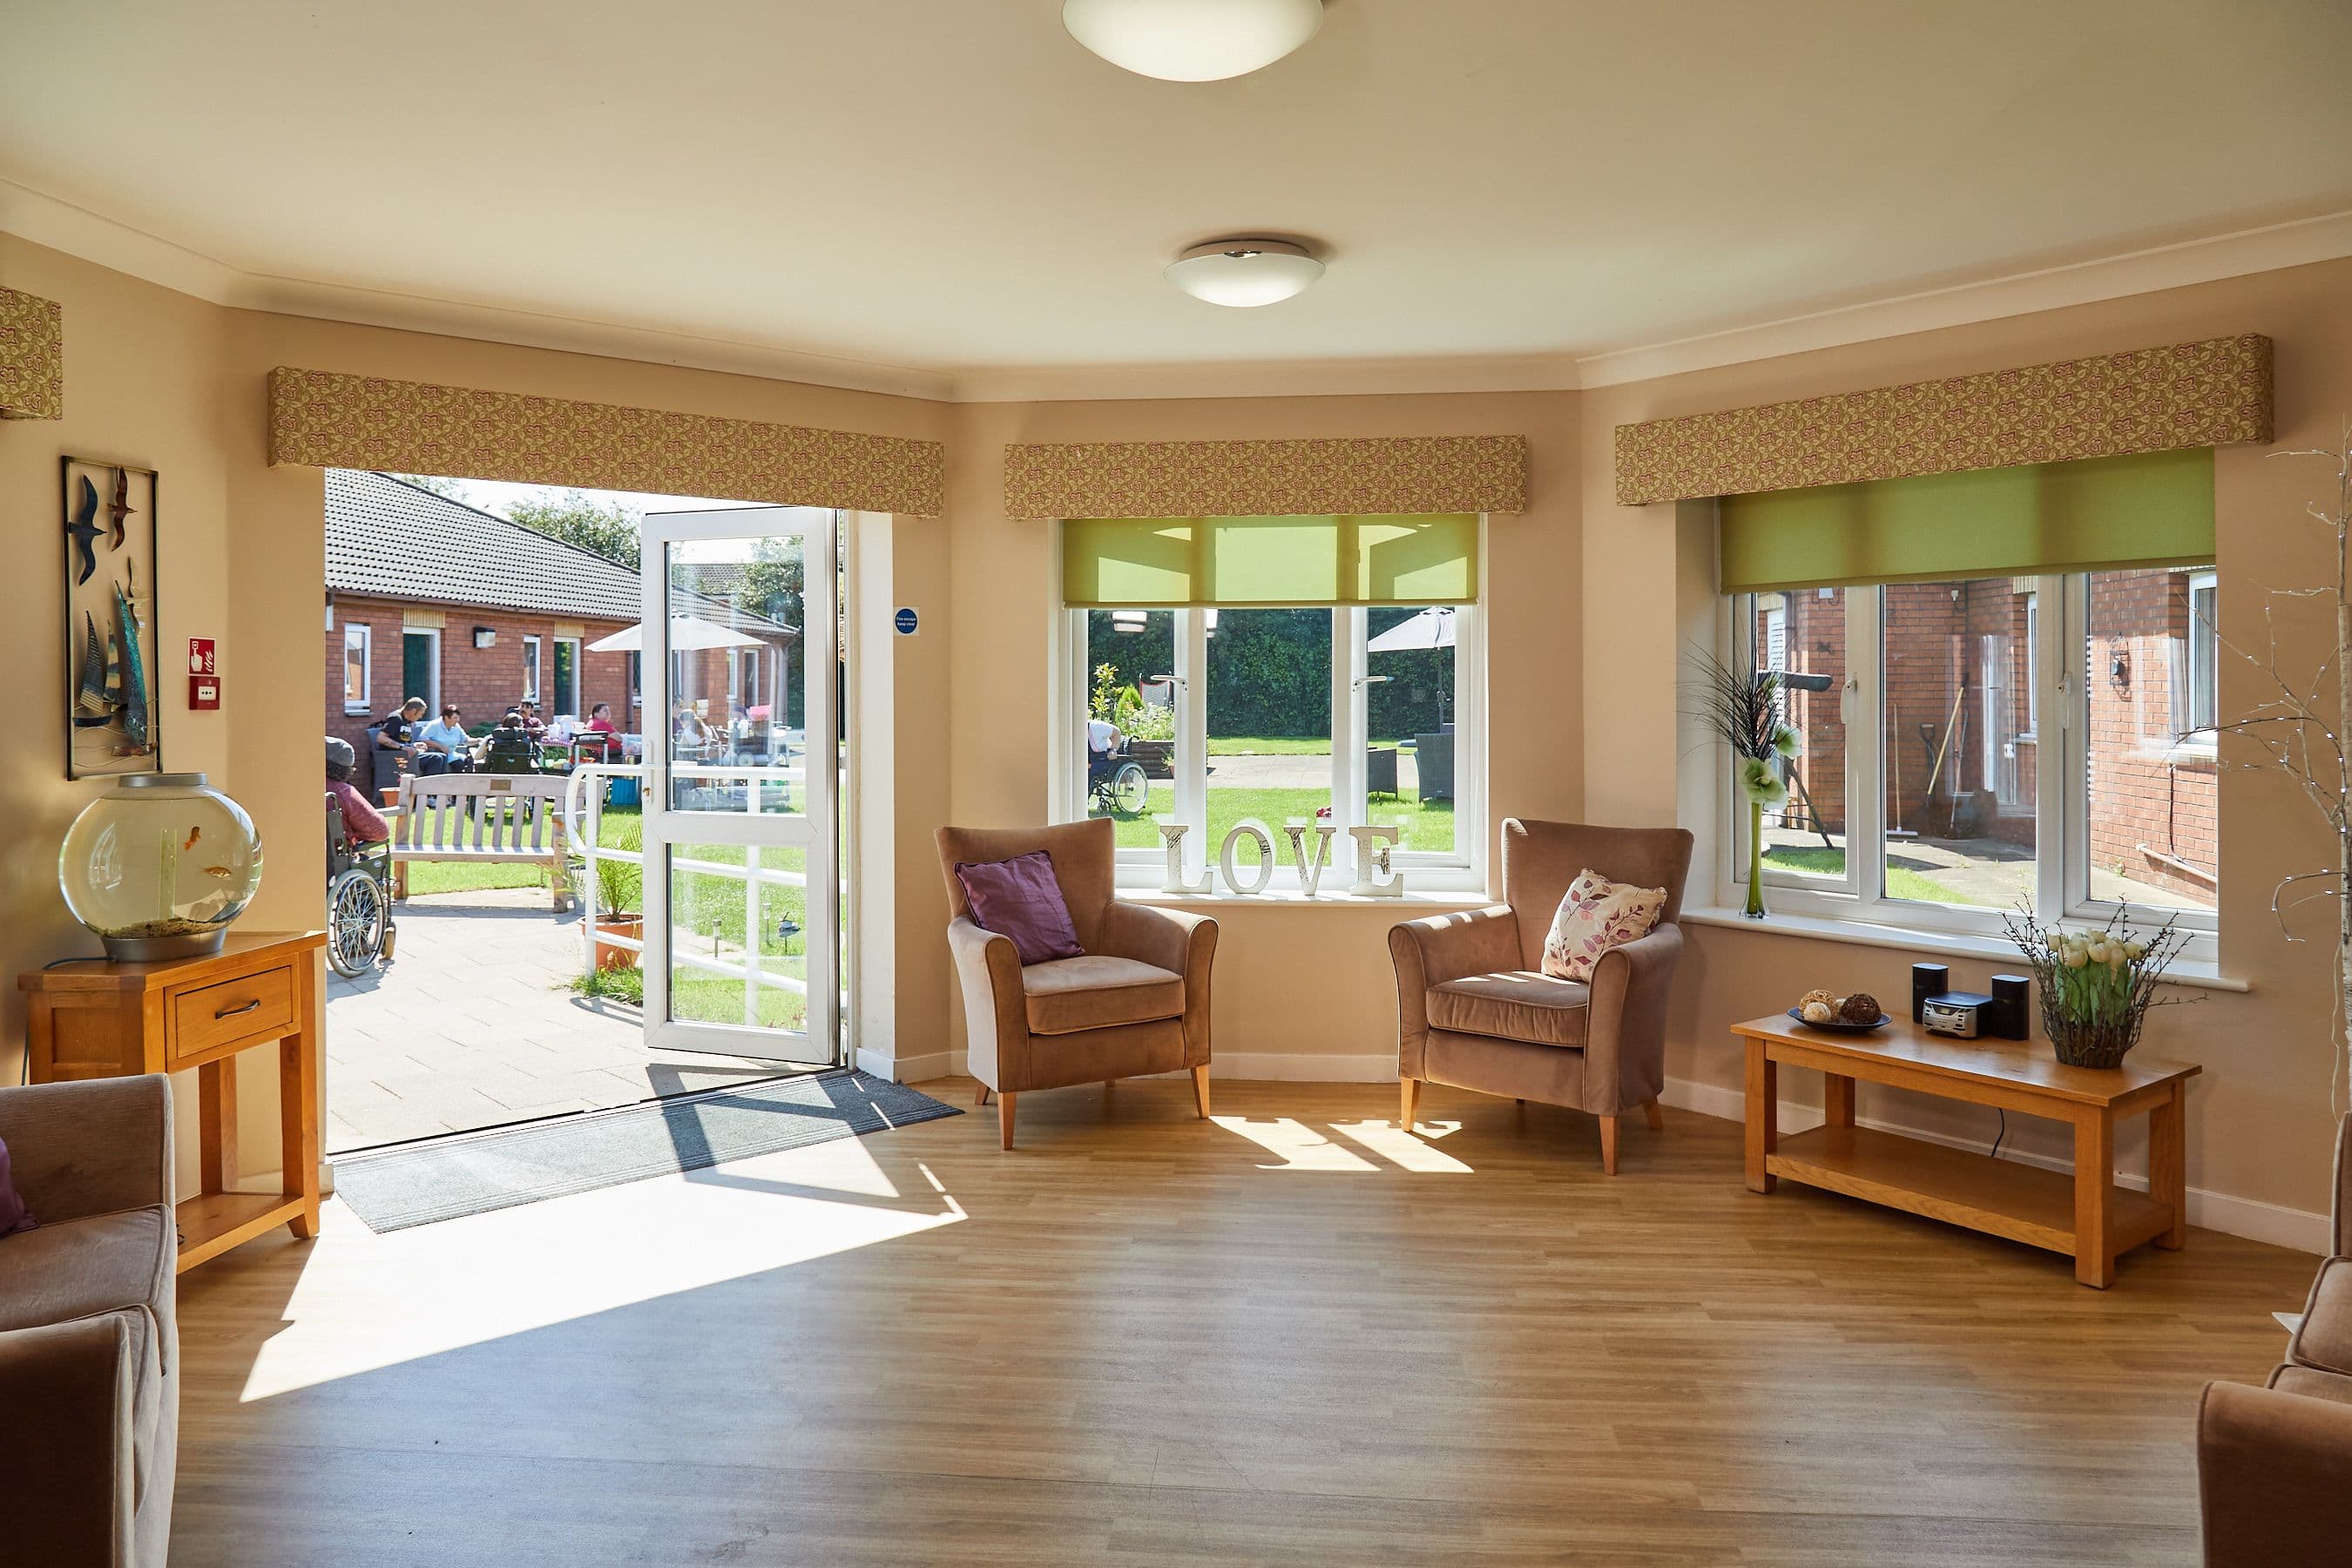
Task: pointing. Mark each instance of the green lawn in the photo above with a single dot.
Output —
(1427, 827)
(1901, 881)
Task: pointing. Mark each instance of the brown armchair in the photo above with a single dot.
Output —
(2274, 1463)
(1475, 1010)
(1136, 1003)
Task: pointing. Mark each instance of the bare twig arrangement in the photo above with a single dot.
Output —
(2299, 730)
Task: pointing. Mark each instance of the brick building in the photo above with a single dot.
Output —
(1962, 733)
(429, 597)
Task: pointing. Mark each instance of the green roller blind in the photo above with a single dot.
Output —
(1269, 562)
(2151, 510)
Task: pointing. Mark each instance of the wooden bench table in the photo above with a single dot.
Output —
(2086, 1214)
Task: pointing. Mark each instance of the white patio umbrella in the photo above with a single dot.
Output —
(1431, 628)
(685, 632)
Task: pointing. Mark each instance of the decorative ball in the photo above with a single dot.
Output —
(1816, 1012)
(1828, 999)
(1861, 1007)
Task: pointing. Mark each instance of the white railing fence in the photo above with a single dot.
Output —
(583, 814)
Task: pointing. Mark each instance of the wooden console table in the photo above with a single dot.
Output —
(2086, 1214)
(100, 1019)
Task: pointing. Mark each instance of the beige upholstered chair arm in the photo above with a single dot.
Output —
(1450, 947)
(91, 1147)
(2274, 1474)
(66, 1400)
(1631, 985)
(995, 1009)
(1173, 940)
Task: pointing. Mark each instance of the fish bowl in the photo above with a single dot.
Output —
(158, 866)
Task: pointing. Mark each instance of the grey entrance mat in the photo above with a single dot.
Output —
(416, 1183)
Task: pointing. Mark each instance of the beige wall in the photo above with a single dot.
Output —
(2260, 1122)
(1587, 601)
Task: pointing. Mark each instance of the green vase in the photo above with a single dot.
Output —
(1755, 910)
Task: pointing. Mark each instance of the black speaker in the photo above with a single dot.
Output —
(1926, 980)
(2012, 1007)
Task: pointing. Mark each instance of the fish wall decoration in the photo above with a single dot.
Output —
(134, 677)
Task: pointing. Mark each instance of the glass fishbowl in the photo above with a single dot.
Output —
(158, 866)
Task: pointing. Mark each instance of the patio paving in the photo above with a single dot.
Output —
(475, 1024)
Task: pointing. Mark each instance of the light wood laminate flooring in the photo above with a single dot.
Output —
(1290, 1335)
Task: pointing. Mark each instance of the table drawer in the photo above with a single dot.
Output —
(248, 1009)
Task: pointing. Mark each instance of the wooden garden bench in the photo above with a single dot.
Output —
(482, 819)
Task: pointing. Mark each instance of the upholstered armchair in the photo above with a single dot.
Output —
(1136, 1003)
(2274, 1463)
(1474, 1009)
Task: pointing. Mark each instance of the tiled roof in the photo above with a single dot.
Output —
(389, 538)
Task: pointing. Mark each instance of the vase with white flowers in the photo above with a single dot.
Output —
(2096, 986)
(1740, 706)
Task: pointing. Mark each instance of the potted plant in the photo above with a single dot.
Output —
(619, 886)
(2096, 987)
(1741, 707)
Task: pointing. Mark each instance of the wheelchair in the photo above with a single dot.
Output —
(1116, 782)
(360, 930)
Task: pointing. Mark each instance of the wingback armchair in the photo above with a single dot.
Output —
(1136, 1002)
(1474, 1009)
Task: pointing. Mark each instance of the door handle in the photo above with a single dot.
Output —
(233, 1012)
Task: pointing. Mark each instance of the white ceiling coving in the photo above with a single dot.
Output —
(954, 197)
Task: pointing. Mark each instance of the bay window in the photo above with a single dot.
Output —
(1215, 672)
(2034, 732)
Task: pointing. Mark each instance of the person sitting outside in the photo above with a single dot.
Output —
(601, 731)
(692, 737)
(510, 749)
(395, 731)
(532, 724)
(443, 746)
(1103, 740)
(362, 823)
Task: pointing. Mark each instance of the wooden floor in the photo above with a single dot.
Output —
(1291, 1335)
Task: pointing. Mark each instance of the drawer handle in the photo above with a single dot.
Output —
(233, 1012)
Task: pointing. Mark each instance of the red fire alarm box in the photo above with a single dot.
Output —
(200, 657)
(204, 691)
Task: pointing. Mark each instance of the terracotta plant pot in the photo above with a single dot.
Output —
(630, 926)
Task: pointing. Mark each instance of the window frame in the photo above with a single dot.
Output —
(1140, 869)
(366, 644)
(2204, 704)
(2060, 691)
(579, 676)
(531, 669)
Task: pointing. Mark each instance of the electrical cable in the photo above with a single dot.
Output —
(1995, 1153)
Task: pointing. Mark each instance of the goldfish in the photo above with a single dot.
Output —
(193, 834)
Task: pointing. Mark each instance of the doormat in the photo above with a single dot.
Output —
(418, 1183)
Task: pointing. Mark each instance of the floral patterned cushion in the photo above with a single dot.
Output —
(1597, 915)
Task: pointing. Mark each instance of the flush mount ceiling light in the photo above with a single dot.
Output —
(1244, 272)
(1192, 40)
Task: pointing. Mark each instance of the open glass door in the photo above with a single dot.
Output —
(741, 843)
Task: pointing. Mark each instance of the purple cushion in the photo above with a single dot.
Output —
(13, 1217)
(1019, 899)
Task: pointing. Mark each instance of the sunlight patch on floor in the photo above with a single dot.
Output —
(1299, 1146)
(357, 1307)
(1407, 1150)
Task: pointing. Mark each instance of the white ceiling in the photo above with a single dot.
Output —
(955, 189)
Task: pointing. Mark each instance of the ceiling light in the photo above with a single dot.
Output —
(1192, 40)
(1244, 272)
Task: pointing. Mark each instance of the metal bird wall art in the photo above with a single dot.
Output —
(85, 531)
(120, 507)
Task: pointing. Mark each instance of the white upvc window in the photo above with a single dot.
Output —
(2204, 591)
(359, 648)
(1276, 715)
(1974, 746)
(530, 669)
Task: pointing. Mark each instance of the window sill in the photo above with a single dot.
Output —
(1416, 903)
(1941, 943)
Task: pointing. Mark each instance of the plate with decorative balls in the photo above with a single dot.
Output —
(1854, 1014)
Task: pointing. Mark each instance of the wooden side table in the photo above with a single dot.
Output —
(2086, 1214)
(102, 1019)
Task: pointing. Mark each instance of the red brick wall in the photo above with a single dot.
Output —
(2144, 796)
(486, 682)
(2150, 804)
